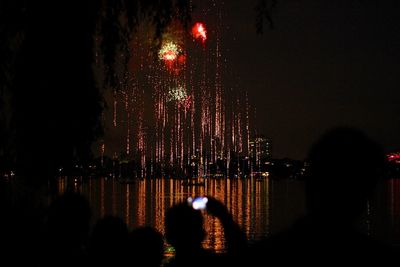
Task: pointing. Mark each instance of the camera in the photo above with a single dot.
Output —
(198, 203)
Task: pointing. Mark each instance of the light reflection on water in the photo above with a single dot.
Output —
(261, 207)
(144, 202)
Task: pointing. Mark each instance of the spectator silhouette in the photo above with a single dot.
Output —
(185, 232)
(147, 247)
(345, 166)
(66, 231)
(108, 243)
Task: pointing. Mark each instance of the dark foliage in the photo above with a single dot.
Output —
(263, 13)
(50, 105)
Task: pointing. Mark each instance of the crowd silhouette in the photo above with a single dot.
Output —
(344, 168)
(185, 232)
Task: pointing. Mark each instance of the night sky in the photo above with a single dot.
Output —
(324, 64)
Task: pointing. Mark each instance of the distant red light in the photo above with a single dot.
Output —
(394, 157)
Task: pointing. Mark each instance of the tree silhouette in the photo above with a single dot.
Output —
(263, 12)
(47, 54)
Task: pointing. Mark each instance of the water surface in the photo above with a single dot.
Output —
(261, 207)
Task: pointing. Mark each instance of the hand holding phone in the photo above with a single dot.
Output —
(198, 203)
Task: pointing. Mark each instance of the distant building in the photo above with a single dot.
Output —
(260, 150)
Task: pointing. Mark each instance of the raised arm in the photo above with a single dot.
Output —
(236, 241)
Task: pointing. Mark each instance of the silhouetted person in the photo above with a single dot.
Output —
(146, 247)
(345, 166)
(108, 242)
(66, 231)
(185, 232)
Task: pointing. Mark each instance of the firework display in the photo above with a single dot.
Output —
(179, 116)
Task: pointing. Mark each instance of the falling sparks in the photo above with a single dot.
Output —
(186, 103)
(177, 94)
(196, 121)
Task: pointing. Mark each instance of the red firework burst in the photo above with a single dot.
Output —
(199, 31)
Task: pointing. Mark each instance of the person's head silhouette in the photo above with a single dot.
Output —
(109, 242)
(66, 230)
(147, 246)
(344, 167)
(109, 235)
(184, 227)
(68, 219)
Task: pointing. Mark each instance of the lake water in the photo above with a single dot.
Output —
(261, 207)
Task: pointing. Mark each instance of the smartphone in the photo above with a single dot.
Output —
(198, 203)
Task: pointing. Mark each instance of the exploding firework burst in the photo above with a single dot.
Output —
(199, 31)
(169, 51)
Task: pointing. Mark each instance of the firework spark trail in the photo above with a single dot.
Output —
(158, 83)
(141, 135)
(185, 154)
(192, 126)
(178, 134)
(142, 141)
(218, 104)
(115, 108)
(103, 150)
(219, 143)
(160, 123)
(163, 126)
(128, 122)
(239, 127)
(247, 126)
(192, 116)
(157, 128)
(204, 117)
(224, 149)
(171, 147)
(234, 131)
(163, 129)
(157, 108)
(127, 91)
(210, 130)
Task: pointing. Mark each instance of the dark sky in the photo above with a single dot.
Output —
(325, 63)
